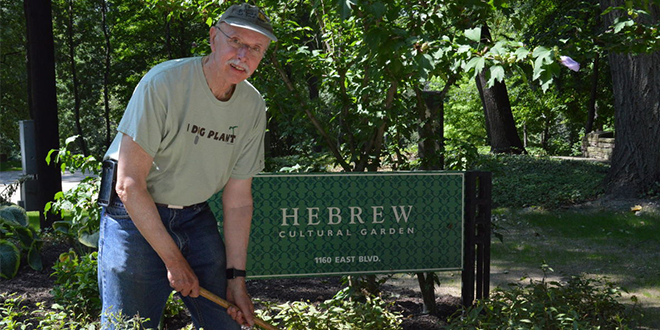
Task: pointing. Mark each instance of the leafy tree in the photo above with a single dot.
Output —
(13, 75)
(574, 26)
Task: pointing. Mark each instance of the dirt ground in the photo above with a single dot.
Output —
(35, 287)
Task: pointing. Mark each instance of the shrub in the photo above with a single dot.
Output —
(580, 303)
(82, 227)
(17, 239)
(335, 314)
(76, 288)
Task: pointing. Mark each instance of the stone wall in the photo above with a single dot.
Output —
(598, 145)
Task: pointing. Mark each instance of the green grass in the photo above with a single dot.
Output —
(11, 165)
(33, 219)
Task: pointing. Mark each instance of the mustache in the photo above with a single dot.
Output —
(239, 64)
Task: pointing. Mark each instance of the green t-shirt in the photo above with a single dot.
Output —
(197, 141)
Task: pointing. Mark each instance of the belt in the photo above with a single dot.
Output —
(178, 207)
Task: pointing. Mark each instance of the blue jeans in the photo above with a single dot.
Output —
(133, 278)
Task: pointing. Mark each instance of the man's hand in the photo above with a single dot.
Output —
(183, 279)
(237, 294)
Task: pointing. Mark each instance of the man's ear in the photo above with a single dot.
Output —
(212, 33)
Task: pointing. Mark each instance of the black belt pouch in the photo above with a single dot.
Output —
(107, 192)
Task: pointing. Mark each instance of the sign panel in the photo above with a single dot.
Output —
(354, 223)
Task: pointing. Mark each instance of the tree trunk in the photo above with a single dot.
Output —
(43, 99)
(106, 73)
(500, 125)
(427, 286)
(636, 157)
(74, 81)
(591, 106)
(430, 114)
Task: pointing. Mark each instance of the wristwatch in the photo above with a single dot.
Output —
(234, 273)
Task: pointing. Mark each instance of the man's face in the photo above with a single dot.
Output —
(238, 51)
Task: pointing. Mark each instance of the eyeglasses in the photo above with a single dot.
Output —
(236, 43)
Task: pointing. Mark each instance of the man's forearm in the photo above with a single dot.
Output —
(236, 224)
(237, 208)
(143, 212)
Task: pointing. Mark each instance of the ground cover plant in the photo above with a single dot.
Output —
(588, 241)
(579, 303)
(343, 311)
(522, 180)
(18, 240)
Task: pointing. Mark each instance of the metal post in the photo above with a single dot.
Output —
(476, 251)
(29, 188)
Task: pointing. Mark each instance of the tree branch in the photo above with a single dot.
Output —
(317, 124)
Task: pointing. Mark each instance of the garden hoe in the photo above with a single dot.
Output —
(224, 303)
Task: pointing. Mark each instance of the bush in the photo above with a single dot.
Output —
(581, 303)
(335, 314)
(82, 227)
(76, 288)
(17, 239)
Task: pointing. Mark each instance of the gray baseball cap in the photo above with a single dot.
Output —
(248, 17)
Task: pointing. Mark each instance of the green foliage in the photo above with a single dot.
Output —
(522, 181)
(635, 27)
(174, 306)
(17, 239)
(362, 64)
(15, 315)
(82, 227)
(464, 115)
(76, 287)
(10, 259)
(460, 155)
(76, 291)
(344, 74)
(12, 312)
(317, 162)
(338, 313)
(580, 303)
(13, 76)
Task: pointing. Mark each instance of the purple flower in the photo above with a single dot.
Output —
(570, 63)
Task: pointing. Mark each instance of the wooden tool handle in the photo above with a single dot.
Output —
(224, 303)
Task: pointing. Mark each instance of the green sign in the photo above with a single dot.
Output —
(354, 223)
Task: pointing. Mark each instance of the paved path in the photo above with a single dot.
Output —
(69, 180)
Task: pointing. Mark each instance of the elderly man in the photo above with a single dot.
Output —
(193, 127)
